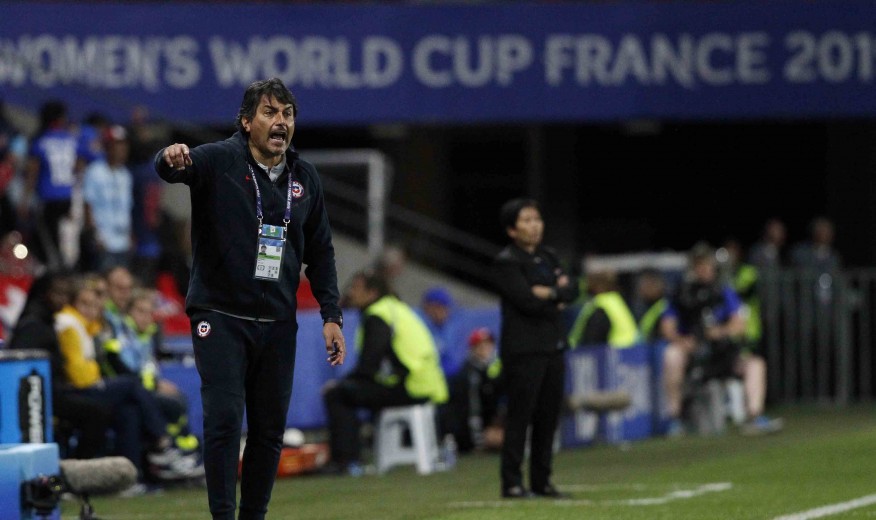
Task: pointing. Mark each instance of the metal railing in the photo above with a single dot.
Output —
(351, 201)
(818, 334)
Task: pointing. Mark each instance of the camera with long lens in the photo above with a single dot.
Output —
(697, 302)
(42, 494)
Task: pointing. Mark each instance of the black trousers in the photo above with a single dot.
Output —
(343, 402)
(243, 363)
(535, 393)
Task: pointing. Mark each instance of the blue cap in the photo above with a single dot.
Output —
(438, 295)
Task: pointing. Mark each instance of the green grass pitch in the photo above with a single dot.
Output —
(825, 456)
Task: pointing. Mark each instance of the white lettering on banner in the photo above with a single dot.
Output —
(635, 379)
(715, 59)
(308, 62)
(442, 61)
(108, 61)
(183, 68)
(35, 409)
(834, 57)
(438, 61)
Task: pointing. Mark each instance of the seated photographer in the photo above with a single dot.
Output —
(705, 327)
(398, 366)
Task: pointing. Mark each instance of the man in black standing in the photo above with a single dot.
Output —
(534, 288)
(247, 189)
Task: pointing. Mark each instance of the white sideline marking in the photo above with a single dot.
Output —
(679, 494)
(831, 509)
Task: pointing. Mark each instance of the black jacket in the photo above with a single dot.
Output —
(530, 325)
(225, 233)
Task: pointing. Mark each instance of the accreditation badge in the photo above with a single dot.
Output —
(269, 255)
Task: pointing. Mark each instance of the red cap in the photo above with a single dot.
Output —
(115, 133)
(479, 335)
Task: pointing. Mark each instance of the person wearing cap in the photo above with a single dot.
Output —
(475, 411)
(108, 193)
(437, 310)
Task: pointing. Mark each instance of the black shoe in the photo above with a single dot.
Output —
(549, 491)
(516, 492)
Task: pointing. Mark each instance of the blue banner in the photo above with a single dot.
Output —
(599, 369)
(373, 63)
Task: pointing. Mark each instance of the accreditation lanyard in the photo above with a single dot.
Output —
(271, 239)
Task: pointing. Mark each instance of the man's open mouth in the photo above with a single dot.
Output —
(278, 137)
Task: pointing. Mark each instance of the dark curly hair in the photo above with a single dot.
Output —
(270, 87)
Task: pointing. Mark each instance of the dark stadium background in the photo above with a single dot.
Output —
(634, 186)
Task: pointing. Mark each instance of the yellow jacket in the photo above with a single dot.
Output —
(76, 339)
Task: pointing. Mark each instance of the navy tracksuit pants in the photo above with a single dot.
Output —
(243, 364)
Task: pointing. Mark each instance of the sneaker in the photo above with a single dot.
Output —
(332, 468)
(762, 425)
(550, 491)
(173, 464)
(516, 492)
(136, 490)
(675, 429)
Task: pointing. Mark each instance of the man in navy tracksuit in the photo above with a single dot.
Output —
(258, 212)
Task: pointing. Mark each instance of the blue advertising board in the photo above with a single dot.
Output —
(601, 368)
(522, 62)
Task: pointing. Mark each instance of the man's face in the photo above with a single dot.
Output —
(528, 230)
(484, 350)
(705, 271)
(119, 286)
(88, 304)
(141, 313)
(270, 129)
(650, 289)
(437, 312)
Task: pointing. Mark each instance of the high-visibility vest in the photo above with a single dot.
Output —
(649, 321)
(414, 347)
(744, 283)
(623, 332)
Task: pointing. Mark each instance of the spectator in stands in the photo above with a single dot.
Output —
(398, 365)
(534, 288)
(135, 413)
(817, 255)
(134, 350)
(651, 293)
(8, 170)
(751, 366)
(35, 329)
(146, 139)
(54, 162)
(705, 327)
(392, 262)
(91, 136)
(119, 285)
(242, 308)
(743, 277)
(475, 413)
(605, 318)
(769, 251)
(818, 265)
(437, 310)
(107, 190)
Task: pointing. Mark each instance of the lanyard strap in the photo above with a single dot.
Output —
(287, 217)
